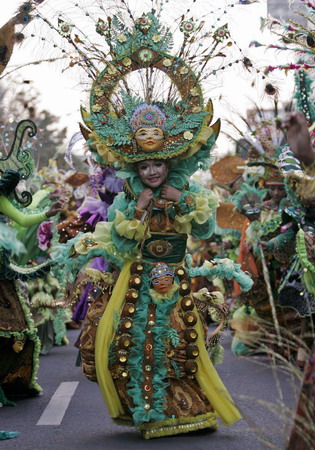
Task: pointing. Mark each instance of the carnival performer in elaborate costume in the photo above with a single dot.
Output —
(104, 185)
(266, 248)
(8, 37)
(19, 344)
(143, 340)
(156, 372)
(49, 320)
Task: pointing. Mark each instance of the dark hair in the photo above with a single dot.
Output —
(8, 182)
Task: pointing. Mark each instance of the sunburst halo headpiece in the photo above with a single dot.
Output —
(109, 128)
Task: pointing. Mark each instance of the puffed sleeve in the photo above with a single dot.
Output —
(127, 230)
(196, 212)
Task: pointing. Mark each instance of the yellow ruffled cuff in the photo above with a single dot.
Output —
(85, 244)
(212, 198)
(200, 215)
(131, 229)
(101, 239)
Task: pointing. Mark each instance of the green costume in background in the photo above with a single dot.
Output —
(19, 344)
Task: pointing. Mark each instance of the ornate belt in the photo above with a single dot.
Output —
(168, 248)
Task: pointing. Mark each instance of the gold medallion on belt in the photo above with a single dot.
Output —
(159, 247)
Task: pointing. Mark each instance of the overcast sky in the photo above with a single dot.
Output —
(63, 96)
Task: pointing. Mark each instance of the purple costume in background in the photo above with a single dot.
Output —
(92, 211)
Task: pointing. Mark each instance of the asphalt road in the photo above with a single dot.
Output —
(251, 381)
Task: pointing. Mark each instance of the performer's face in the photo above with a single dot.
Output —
(152, 172)
(276, 192)
(163, 284)
(150, 139)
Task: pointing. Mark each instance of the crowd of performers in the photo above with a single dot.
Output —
(142, 254)
(264, 225)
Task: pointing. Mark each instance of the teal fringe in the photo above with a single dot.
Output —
(224, 268)
(60, 326)
(66, 268)
(172, 335)
(239, 348)
(4, 401)
(8, 435)
(160, 335)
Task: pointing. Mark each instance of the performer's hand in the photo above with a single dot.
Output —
(298, 137)
(145, 198)
(55, 209)
(170, 193)
(61, 193)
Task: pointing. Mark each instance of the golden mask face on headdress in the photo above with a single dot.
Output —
(150, 139)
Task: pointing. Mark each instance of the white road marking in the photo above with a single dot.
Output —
(59, 402)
